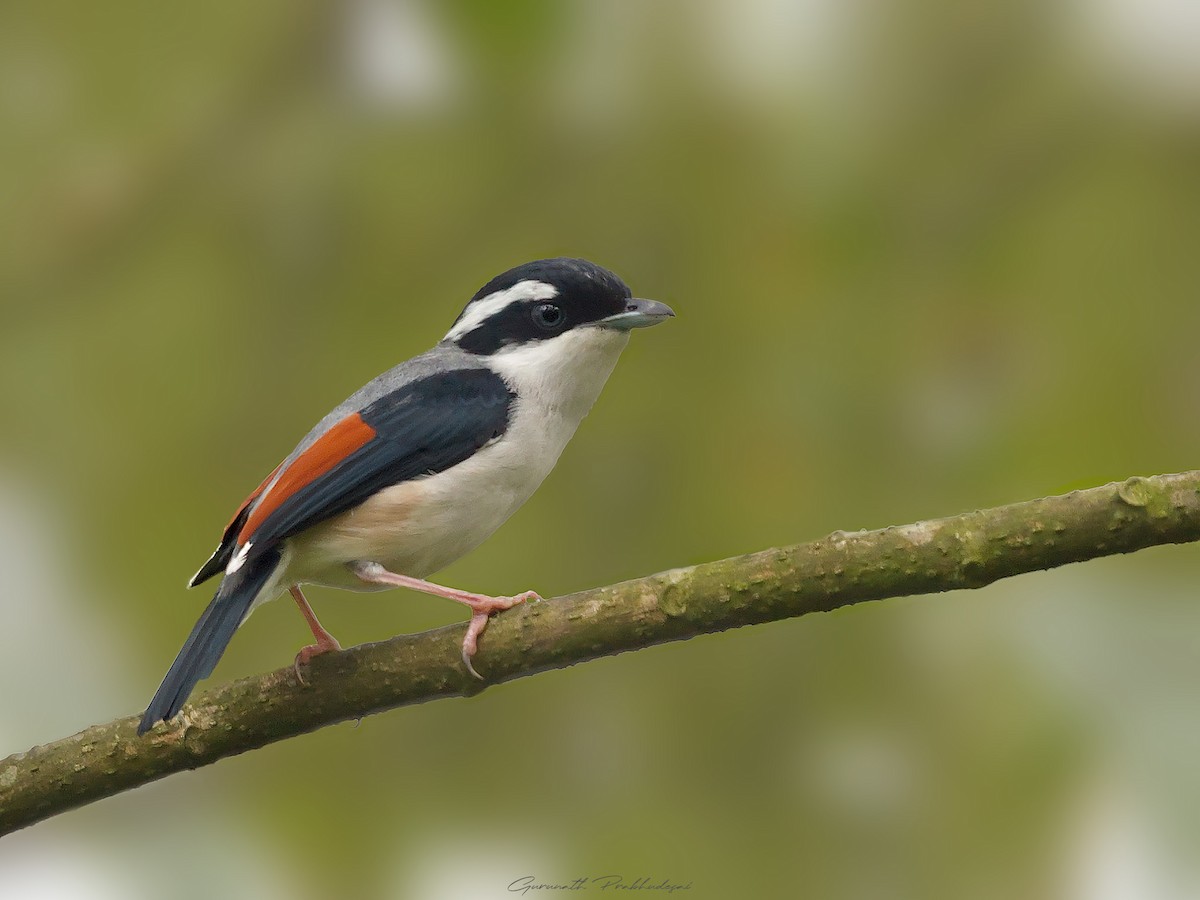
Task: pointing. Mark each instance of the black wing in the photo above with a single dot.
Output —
(421, 428)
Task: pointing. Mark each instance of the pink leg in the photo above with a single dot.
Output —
(325, 641)
(482, 606)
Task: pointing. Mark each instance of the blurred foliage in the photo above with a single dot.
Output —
(926, 256)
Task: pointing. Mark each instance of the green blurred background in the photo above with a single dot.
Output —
(927, 256)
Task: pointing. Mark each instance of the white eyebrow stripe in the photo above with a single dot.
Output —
(485, 307)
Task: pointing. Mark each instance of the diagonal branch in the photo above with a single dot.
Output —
(965, 551)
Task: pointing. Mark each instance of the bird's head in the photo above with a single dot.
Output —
(552, 305)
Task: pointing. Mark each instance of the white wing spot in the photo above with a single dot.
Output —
(238, 561)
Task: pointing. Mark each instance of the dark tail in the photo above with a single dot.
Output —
(210, 636)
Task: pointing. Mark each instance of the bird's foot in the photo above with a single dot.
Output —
(482, 606)
(482, 609)
(326, 643)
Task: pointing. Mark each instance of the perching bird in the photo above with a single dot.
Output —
(423, 463)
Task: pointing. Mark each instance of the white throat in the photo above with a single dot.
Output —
(564, 375)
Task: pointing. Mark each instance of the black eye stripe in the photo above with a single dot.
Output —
(582, 293)
(514, 324)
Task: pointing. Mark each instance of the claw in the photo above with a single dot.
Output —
(317, 649)
(483, 608)
(466, 658)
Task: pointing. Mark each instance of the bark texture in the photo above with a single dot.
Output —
(965, 551)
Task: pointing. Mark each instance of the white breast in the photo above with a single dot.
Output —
(421, 526)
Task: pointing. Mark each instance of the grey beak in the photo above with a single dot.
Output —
(639, 314)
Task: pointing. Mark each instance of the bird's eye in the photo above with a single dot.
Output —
(547, 316)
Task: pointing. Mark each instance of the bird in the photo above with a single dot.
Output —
(422, 464)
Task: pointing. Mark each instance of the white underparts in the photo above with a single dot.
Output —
(417, 527)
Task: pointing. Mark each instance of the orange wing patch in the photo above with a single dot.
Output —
(326, 452)
(253, 496)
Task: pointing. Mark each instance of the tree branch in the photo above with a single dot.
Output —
(966, 551)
